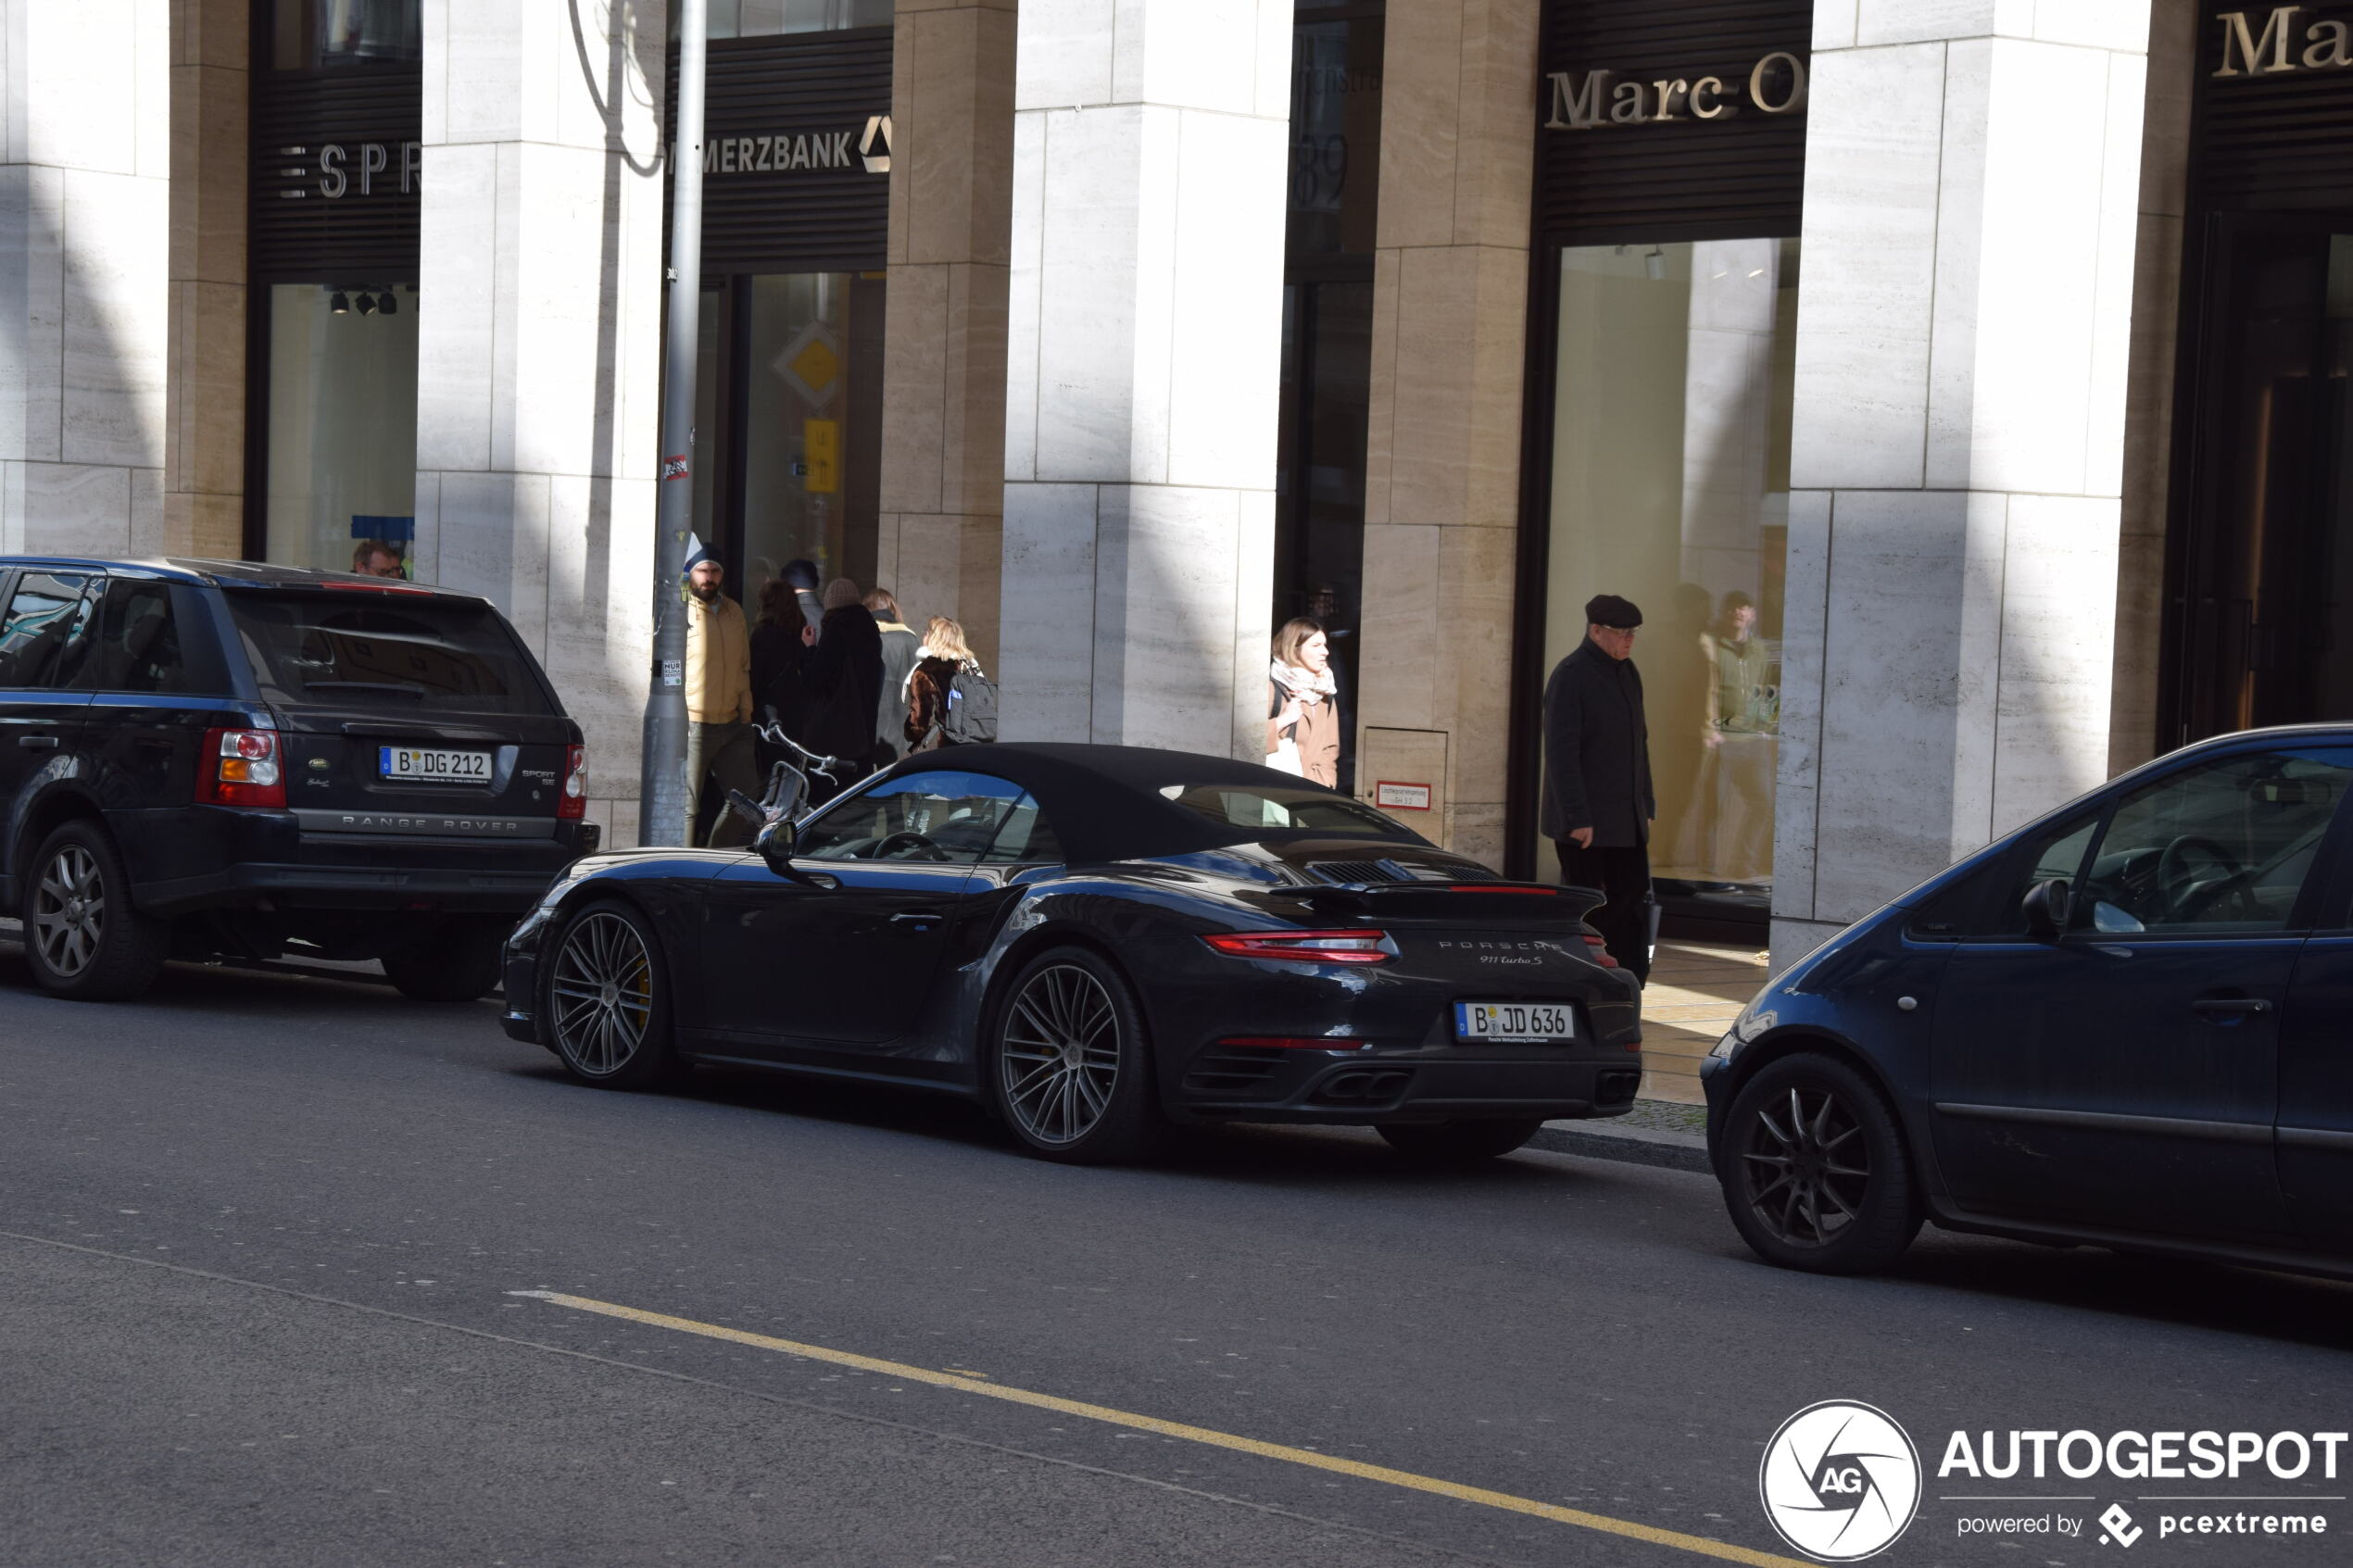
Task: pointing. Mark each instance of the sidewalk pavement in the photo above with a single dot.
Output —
(1696, 989)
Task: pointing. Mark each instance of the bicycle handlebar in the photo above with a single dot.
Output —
(773, 732)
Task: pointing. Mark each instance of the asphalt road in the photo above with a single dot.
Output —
(261, 1236)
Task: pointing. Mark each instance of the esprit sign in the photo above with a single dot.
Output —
(367, 165)
(2281, 44)
(1776, 84)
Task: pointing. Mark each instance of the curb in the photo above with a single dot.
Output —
(1630, 1146)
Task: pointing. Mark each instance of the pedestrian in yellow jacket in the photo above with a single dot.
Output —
(719, 713)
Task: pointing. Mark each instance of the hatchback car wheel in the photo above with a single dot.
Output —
(83, 936)
(1073, 1075)
(608, 1000)
(1813, 1169)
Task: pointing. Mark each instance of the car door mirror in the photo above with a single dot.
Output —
(2045, 908)
(776, 841)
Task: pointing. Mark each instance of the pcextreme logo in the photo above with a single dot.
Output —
(1841, 1481)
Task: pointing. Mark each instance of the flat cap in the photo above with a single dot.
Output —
(1608, 610)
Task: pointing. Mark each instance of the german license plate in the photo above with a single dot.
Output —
(418, 764)
(1515, 1023)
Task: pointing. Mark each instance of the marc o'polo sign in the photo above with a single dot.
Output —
(1594, 99)
(2281, 41)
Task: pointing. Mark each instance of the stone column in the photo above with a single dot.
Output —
(1143, 363)
(538, 359)
(943, 462)
(204, 439)
(2132, 735)
(1442, 482)
(85, 152)
(1971, 180)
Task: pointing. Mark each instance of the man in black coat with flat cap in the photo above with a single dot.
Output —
(1598, 803)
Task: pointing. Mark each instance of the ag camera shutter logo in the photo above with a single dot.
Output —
(1840, 1481)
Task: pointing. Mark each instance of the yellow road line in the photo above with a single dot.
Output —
(1308, 1457)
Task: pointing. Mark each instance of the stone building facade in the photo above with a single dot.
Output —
(1956, 383)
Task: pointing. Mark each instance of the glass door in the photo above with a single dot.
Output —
(2259, 618)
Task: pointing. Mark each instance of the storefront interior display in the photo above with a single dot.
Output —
(343, 420)
(1671, 487)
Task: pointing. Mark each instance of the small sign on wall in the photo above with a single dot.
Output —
(1391, 795)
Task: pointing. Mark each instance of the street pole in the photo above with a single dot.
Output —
(665, 811)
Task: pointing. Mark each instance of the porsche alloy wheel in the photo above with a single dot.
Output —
(606, 1011)
(1070, 1068)
(1815, 1171)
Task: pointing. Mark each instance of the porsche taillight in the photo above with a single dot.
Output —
(1355, 945)
(241, 767)
(1600, 954)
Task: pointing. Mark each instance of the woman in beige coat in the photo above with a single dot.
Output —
(1303, 705)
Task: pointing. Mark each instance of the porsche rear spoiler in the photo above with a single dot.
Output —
(1518, 902)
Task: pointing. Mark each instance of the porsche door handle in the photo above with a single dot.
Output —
(2230, 1006)
(921, 918)
(39, 743)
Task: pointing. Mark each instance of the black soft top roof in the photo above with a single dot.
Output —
(234, 574)
(1104, 801)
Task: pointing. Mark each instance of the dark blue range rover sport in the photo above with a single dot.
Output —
(205, 758)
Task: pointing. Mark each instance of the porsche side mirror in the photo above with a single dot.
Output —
(776, 841)
(2045, 907)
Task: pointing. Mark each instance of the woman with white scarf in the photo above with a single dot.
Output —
(1303, 705)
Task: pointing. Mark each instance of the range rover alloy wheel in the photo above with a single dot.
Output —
(1073, 1075)
(83, 936)
(607, 1004)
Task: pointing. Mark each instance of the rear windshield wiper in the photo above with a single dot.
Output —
(397, 688)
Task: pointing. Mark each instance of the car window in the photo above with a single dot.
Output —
(400, 653)
(2223, 846)
(942, 816)
(45, 635)
(1024, 837)
(1279, 809)
(138, 646)
(2056, 854)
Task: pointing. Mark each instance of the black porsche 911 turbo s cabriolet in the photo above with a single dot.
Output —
(1098, 943)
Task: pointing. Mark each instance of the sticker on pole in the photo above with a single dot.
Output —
(675, 467)
(674, 671)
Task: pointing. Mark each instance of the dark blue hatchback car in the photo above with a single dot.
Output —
(2128, 1023)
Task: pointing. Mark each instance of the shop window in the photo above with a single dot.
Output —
(1671, 487)
(766, 19)
(1327, 332)
(315, 34)
(789, 419)
(341, 421)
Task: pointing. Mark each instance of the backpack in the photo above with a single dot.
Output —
(972, 709)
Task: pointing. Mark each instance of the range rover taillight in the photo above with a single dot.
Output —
(573, 802)
(241, 767)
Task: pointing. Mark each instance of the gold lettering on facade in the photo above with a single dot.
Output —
(1576, 110)
(2324, 44)
(2251, 48)
(1597, 98)
(1796, 98)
